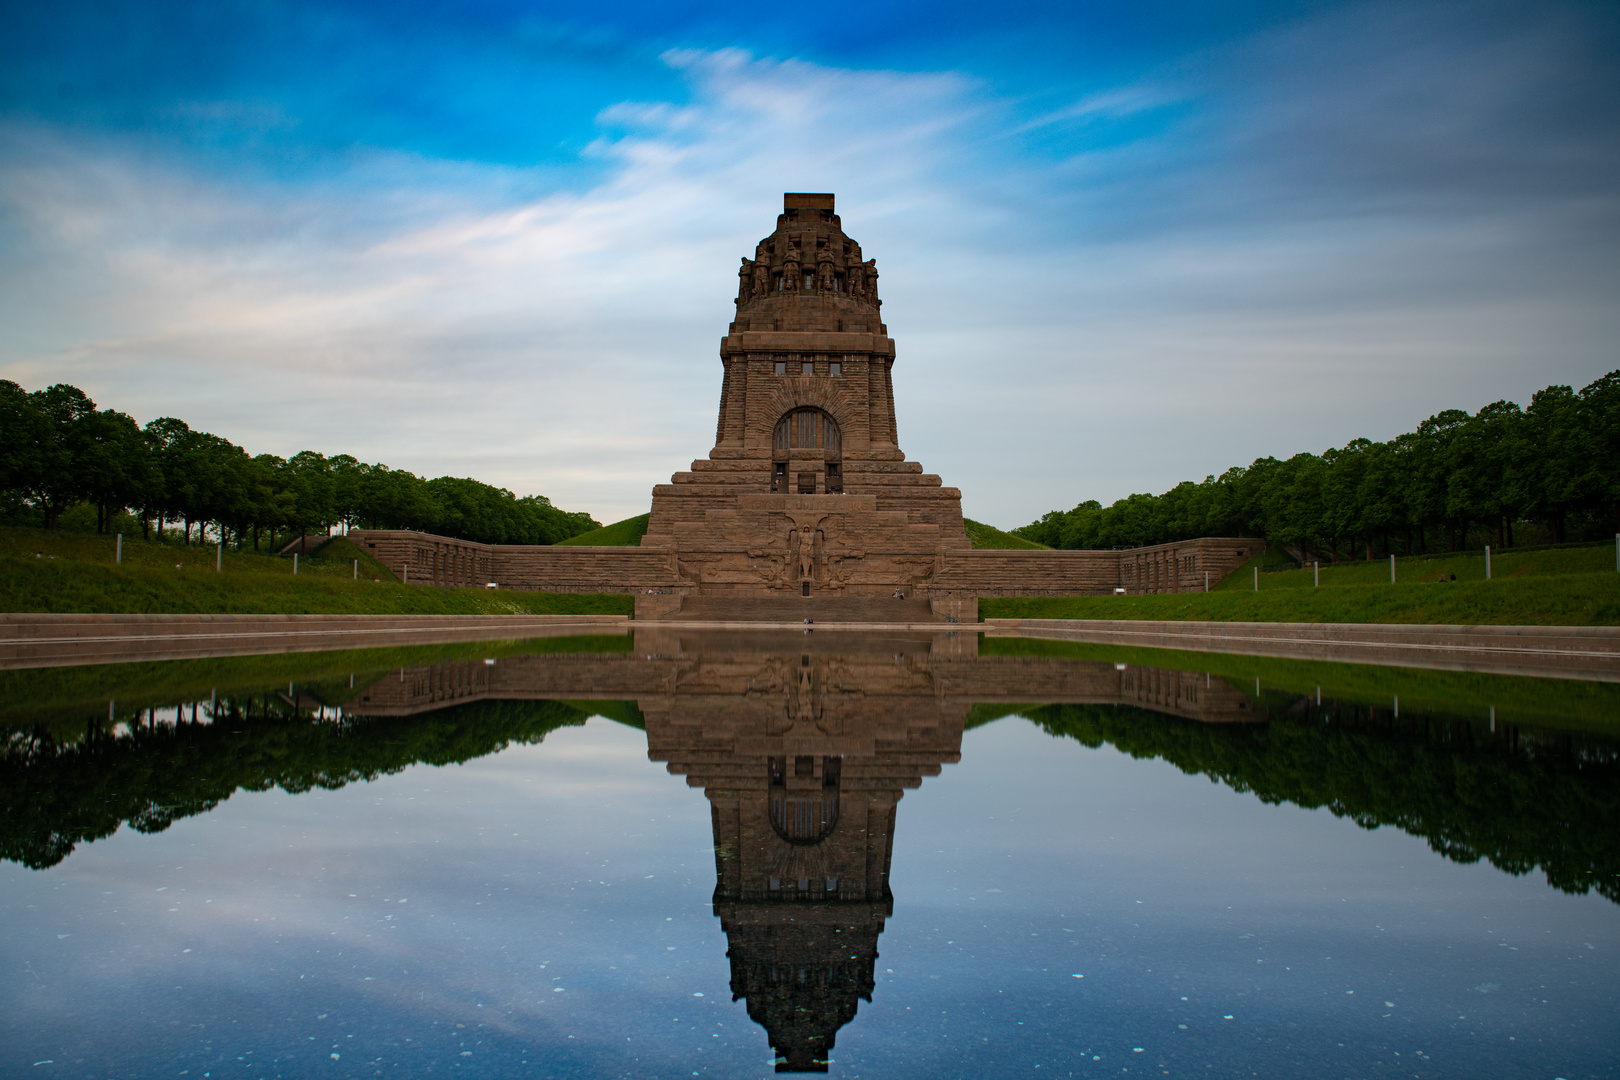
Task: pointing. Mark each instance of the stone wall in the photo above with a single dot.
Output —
(842, 545)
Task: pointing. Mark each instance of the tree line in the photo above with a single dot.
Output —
(58, 451)
(1551, 469)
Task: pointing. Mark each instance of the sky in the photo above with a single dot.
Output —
(1123, 245)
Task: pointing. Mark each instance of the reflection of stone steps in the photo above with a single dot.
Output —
(795, 609)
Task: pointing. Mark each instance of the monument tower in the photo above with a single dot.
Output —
(806, 492)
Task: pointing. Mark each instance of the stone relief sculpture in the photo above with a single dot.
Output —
(762, 279)
(804, 552)
(745, 283)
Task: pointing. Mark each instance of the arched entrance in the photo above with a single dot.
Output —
(804, 435)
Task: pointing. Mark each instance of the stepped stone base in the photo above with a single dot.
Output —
(817, 609)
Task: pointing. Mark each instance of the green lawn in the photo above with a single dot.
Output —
(1518, 699)
(58, 571)
(981, 535)
(1421, 569)
(35, 697)
(626, 533)
(1578, 599)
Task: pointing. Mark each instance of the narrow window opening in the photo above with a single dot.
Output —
(835, 478)
(835, 367)
(781, 367)
(806, 590)
(779, 479)
(807, 483)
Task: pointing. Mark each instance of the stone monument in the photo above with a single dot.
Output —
(806, 492)
(806, 508)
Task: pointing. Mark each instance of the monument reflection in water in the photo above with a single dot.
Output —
(804, 745)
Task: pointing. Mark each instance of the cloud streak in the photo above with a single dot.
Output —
(1324, 230)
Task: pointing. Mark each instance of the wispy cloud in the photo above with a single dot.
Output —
(1316, 242)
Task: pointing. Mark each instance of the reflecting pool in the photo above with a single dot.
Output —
(680, 854)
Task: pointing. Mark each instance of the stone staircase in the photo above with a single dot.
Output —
(795, 609)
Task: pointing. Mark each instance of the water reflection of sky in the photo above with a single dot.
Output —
(545, 911)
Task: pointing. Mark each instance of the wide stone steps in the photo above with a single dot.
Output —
(795, 609)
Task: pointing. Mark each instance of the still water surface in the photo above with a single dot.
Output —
(690, 856)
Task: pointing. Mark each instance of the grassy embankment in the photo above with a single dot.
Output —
(60, 571)
(1565, 586)
(981, 535)
(626, 533)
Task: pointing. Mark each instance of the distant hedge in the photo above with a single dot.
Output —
(57, 450)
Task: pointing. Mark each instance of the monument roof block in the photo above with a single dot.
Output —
(801, 200)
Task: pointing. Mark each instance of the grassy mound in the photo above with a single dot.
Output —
(624, 533)
(61, 572)
(981, 535)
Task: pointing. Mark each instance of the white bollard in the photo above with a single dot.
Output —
(1257, 579)
(219, 559)
(1206, 581)
(1392, 568)
(1316, 575)
(357, 569)
(119, 557)
(295, 562)
(1487, 562)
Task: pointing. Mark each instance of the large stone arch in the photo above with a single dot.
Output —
(808, 430)
(819, 393)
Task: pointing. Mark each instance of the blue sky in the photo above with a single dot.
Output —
(1122, 244)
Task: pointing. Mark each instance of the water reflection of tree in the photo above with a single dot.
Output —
(56, 794)
(1520, 799)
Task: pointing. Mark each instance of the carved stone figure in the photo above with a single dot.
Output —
(791, 281)
(805, 550)
(745, 290)
(855, 282)
(762, 278)
(824, 273)
(871, 283)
